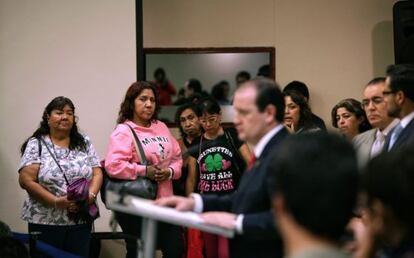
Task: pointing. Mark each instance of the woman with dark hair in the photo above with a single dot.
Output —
(349, 116)
(216, 163)
(187, 119)
(298, 116)
(139, 111)
(56, 151)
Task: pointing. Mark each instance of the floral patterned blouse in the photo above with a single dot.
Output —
(75, 164)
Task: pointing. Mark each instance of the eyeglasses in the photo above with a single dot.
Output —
(375, 100)
(210, 120)
(388, 92)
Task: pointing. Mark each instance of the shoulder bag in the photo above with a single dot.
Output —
(141, 187)
(78, 190)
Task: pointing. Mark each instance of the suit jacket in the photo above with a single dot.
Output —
(406, 138)
(252, 199)
(363, 144)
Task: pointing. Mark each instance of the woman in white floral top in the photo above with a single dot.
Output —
(47, 207)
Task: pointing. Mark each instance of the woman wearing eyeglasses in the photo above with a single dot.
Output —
(349, 117)
(215, 166)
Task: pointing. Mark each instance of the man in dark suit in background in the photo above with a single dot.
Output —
(259, 111)
(399, 95)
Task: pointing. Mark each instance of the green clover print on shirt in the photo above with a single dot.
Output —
(214, 162)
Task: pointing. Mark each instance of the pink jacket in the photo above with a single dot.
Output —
(160, 147)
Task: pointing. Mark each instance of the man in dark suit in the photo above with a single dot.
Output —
(259, 110)
(399, 95)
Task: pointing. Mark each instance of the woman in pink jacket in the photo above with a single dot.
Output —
(139, 110)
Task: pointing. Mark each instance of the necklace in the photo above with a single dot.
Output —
(59, 157)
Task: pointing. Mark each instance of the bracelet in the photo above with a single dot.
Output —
(93, 195)
(171, 173)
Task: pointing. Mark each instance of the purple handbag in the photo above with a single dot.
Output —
(78, 191)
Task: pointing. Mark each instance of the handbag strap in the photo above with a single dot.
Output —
(138, 146)
(199, 151)
(53, 156)
(231, 142)
(39, 145)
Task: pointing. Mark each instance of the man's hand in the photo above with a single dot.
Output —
(222, 219)
(177, 202)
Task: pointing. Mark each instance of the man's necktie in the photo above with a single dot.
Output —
(378, 144)
(251, 162)
(395, 134)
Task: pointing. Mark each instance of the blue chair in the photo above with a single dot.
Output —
(42, 247)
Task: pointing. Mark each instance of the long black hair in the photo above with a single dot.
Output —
(305, 113)
(77, 141)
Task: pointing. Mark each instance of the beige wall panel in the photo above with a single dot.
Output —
(84, 50)
(336, 47)
(212, 23)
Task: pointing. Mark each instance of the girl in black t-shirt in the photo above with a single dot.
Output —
(217, 158)
(216, 163)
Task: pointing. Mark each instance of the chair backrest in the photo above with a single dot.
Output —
(42, 247)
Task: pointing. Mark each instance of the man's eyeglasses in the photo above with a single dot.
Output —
(375, 100)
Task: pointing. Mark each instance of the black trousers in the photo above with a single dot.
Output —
(73, 239)
(170, 238)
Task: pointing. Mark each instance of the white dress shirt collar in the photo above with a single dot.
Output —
(390, 126)
(407, 119)
(258, 149)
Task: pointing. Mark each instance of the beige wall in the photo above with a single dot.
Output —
(333, 46)
(336, 47)
(85, 50)
(213, 23)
